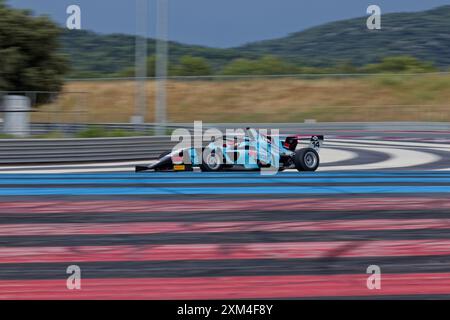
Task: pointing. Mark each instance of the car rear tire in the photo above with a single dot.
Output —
(307, 160)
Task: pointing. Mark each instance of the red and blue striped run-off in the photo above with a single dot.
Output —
(230, 235)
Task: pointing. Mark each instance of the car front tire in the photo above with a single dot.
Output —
(212, 162)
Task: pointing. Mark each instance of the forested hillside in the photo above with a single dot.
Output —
(348, 44)
(424, 35)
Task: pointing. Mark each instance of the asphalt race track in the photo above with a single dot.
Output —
(235, 234)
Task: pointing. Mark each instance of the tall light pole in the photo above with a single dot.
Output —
(141, 54)
(162, 50)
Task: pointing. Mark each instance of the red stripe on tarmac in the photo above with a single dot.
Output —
(287, 250)
(51, 229)
(319, 204)
(257, 287)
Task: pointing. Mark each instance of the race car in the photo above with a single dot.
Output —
(254, 152)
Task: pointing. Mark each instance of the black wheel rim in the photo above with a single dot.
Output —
(310, 160)
(212, 161)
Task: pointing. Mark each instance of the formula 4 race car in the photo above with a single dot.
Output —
(253, 152)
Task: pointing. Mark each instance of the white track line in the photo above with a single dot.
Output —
(398, 158)
(401, 155)
(391, 143)
(330, 155)
(81, 165)
(93, 170)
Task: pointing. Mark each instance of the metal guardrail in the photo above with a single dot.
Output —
(18, 151)
(33, 151)
(324, 127)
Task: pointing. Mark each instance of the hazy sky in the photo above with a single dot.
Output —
(221, 23)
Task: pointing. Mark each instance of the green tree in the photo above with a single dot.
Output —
(273, 65)
(131, 71)
(267, 65)
(240, 67)
(29, 58)
(399, 64)
(151, 66)
(191, 66)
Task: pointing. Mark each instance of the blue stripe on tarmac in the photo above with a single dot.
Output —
(211, 180)
(223, 190)
(170, 175)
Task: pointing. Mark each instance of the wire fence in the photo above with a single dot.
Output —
(267, 76)
(416, 97)
(280, 98)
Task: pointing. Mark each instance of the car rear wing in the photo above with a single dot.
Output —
(316, 142)
(299, 142)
